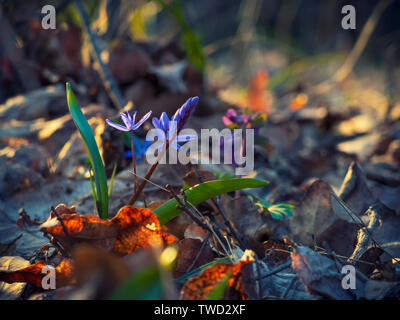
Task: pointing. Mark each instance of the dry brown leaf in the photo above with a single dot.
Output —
(131, 229)
(276, 252)
(188, 250)
(199, 288)
(321, 276)
(33, 274)
(322, 217)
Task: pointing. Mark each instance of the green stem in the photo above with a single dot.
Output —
(134, 160)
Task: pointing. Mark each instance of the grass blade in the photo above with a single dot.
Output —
(112, 180)
(203, 192)
(97, 164)
(218, 292)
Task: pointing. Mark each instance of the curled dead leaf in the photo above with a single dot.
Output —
(35, 273)
(131, 229)
(199, 288)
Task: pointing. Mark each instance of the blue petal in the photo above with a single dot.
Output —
(156, 123)
(116, 126)
(126, 119)
(176, 117)
(137, 125)
(133, 119)
(164, 121)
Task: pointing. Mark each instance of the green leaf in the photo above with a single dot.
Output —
(200, 269)
(94, 155)
(93, 189)
(112, 180)
(204, 191)
(191, 40)
(218, 292)
(142, 285)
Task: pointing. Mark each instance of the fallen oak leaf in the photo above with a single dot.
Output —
(200, 287)
(131, 229)
(320, 275)
(71, 229)
(35, 273)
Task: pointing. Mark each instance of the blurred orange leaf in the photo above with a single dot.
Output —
(199, 288)
(35, 273)
(258, 97)
(299, 102)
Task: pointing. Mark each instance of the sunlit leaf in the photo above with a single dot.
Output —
(86, 133)
(203, 192)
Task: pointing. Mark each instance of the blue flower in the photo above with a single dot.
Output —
(129, 122)
(169, 127)
(140, 149)
(183, 114)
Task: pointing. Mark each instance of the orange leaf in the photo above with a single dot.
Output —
(258, 97)
(199, 288)
(299, 102)
(33, 274)
(138, 228)
(131, 229)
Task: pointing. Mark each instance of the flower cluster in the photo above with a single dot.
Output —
(170, 127)
(233, 120)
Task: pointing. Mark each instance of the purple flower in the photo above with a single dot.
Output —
(129, 122)
(182, 115)
(169, 127)
(231, 118)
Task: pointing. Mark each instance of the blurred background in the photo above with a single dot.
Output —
(225, 41)
(290, 60)
(329, 97)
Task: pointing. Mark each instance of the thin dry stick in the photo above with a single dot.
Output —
(238, 238)
(134, 161)
(361, 42)
(149, 172)
(53, 210)
(277, 269)
(203, 245)
(362, 225)
(206, 225)
(109, 83)
(289, 287)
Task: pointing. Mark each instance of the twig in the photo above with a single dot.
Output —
(238, 238)
(289, 287)
(109, 83)
(361, 42)
(203, 245)
(153, 167)
(60, 220)
(277, 269)
(134, 161)
(57, 244)
(351, 60)
(63, 226)
(207, 226)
